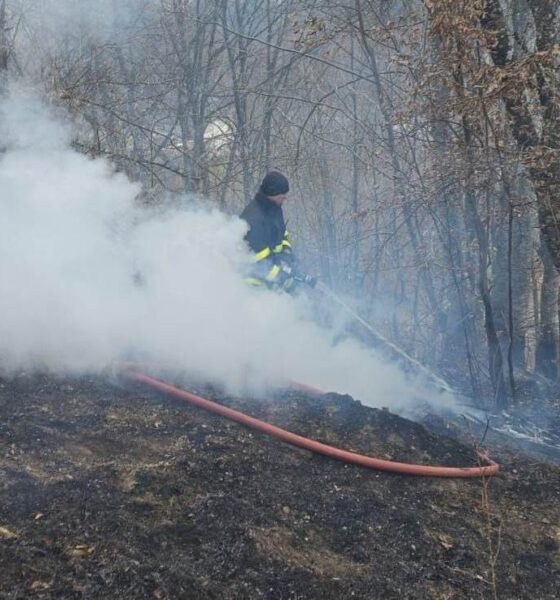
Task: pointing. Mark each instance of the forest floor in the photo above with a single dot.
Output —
(118, 492)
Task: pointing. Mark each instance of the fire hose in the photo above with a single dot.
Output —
(308, 444)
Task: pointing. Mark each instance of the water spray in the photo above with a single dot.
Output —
(441, 383)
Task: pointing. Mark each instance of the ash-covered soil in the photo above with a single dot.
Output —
(113, 492)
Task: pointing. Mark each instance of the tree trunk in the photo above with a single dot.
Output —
(495, 358)
(540, 144)
(4, 48)
(547, 355)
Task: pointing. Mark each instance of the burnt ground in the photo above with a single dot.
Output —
(118, 492)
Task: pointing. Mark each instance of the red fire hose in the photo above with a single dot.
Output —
(307, 444)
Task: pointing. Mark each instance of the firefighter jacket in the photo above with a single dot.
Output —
(268, 239)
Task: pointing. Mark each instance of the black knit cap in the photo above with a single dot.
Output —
(274, 183)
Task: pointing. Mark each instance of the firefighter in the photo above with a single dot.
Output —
(275, 264)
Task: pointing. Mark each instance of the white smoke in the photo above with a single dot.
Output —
(72, 241)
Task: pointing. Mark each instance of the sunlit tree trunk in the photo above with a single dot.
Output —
(548, 345)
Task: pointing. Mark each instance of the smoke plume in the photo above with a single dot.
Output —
(88, 279)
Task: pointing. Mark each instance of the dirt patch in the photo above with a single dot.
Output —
(107, 492)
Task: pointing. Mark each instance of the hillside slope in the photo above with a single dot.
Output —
(108, 492)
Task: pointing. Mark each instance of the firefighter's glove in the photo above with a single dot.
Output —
(285, 279)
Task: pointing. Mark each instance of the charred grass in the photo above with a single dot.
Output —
(112, 492)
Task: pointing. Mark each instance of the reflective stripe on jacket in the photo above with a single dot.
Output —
(268, 239)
